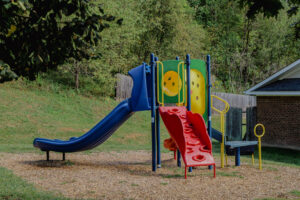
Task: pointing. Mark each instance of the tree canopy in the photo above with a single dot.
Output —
(37, 35)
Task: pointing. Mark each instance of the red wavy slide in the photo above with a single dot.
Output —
(189, 132)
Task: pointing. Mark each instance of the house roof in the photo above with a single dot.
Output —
(285, 82)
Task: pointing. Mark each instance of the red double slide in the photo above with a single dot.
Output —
(189, 132)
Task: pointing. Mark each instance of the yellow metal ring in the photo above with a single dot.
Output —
(263, 130)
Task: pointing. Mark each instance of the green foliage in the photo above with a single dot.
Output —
(6, 74)
(39, 35)
(168, 30)
(245, 46)
(163, 27)
(245, 51)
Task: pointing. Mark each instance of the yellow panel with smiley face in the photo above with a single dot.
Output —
(171, 83)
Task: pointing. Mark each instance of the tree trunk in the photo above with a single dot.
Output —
(77, 71)
(77, 79)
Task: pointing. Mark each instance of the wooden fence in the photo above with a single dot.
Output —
(235, 100)
(124, 87)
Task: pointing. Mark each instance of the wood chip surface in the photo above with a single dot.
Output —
(128, 175)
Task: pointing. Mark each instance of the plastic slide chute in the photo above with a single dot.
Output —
(106, 127)
(189, 133)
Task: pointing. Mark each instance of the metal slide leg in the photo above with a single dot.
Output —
(237, 156)
(178, 158)
(153, 103)
(226, 160)
(158, 139)
(214, 170)
(47, 155)
(185, 176)
(63, 156)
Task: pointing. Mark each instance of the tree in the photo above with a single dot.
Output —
(246, 47)
(37, 35)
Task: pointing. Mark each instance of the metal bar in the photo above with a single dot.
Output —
(209, 97)
(208, 100)
(178, 152)
(153, 103)
(47, 155)
(188, 70)
(214, 170)
(158, 63)
(157, 119)
(178, 158)
(63, 156)
(237, 156)
(259, 154)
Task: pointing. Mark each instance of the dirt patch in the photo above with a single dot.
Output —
(128, 175)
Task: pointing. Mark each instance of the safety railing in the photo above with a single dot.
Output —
(222, 123)
(180, 82)
(158, 63)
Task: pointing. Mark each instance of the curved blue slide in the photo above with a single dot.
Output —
(106, 127)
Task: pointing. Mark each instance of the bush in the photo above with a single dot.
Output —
(6, 74)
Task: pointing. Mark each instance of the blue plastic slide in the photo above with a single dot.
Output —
(106, 127)
(217, 135)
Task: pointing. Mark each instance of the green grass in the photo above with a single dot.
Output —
(163, 183)
(295, 193)
(27, 113)
(13, 187)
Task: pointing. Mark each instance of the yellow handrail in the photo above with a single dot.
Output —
(162, 80)
(259, 141)
(183, 81)
(222, 114)
(162, 102)
(226, 108)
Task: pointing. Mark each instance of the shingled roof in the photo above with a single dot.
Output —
(285, 82)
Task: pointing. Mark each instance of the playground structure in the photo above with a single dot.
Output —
(179, 92)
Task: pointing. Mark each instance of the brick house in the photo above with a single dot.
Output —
(278, 107)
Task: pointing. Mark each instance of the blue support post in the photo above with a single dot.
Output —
(157, 120)
(153, 106)
(178, 152)
(209, 100)
(237, 156)
(188, 81)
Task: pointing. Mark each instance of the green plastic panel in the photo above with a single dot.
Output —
(172, 82)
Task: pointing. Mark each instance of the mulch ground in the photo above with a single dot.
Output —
(128, 175)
